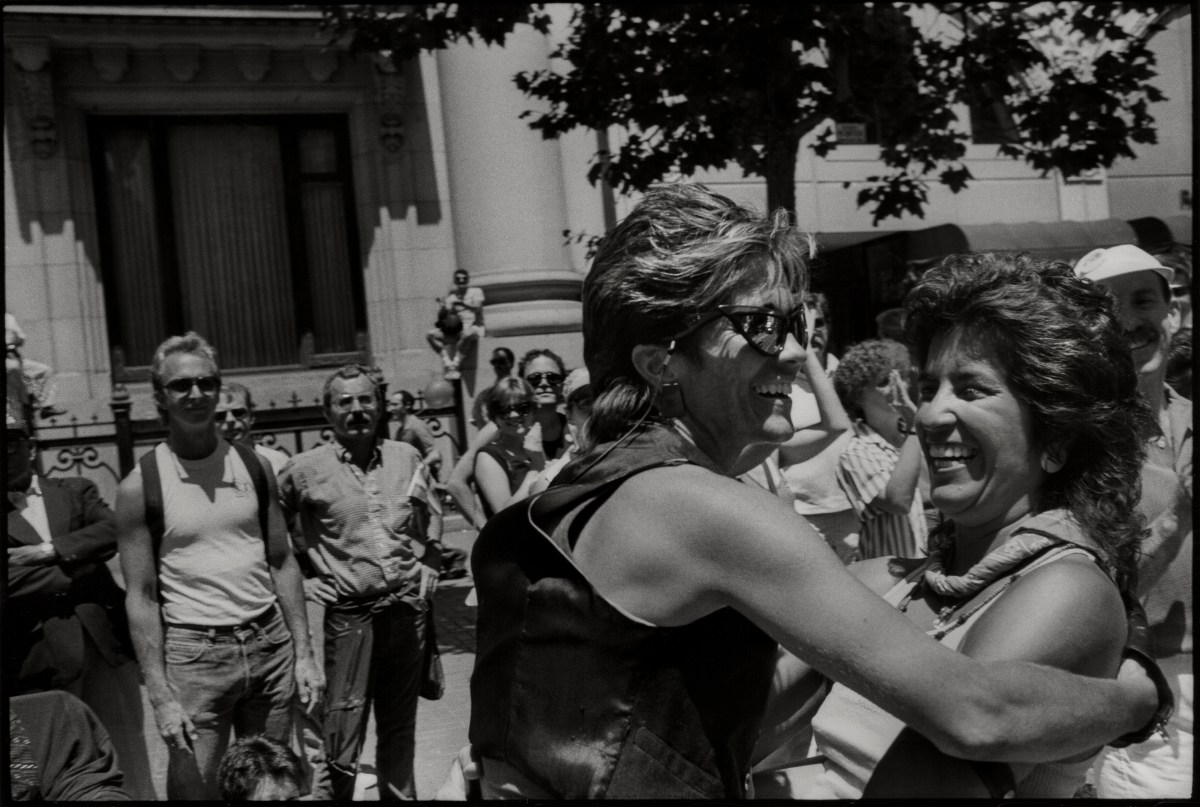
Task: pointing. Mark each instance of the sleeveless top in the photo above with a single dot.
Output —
(514, 465)
(584, 700)
(853, 733)
(213, 568)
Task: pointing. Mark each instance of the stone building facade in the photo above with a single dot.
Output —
(226, 169)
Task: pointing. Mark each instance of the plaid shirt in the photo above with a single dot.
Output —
(370, 528)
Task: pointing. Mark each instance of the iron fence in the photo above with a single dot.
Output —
(106, 450)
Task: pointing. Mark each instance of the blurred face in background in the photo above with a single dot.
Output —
(502, 365)
(544, 375)
(20, 450)
(234, 417)
(396, 407)
(818, 329)
(353, 408)
(1149, 316)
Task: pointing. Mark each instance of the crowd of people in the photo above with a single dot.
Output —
(719, 561)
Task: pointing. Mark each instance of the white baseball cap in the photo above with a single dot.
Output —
(1102, 264)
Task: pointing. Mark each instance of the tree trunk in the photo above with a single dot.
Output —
(780, 171)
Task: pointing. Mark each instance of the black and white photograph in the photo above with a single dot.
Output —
(622, 401)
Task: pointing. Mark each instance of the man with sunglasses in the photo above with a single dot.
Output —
(235, 418)
(371, 523)
(215, 606)
(462, 306)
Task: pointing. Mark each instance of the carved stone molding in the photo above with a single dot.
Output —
(253, 61)
(35, 92)
(110, 61)
(320, 62)
(389, 96)
(183, 61)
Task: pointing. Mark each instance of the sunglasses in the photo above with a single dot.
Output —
(1180, 291)
(208, 385)
(499, 362)
(238, 413)
(521, 410)
(764, 328)
(536, 379)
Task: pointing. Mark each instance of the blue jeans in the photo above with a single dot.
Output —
(373, 652)
(242, 680)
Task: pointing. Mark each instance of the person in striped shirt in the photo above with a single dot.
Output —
(880, 468)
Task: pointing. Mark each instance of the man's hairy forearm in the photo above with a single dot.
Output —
(145, 621)
(289, 588)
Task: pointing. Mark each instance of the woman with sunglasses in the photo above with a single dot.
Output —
(545, 372)
(512, 460)
(630, 616)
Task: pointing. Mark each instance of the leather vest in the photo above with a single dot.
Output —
(585, 701)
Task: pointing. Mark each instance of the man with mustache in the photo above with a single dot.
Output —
(371, 526)
(1161, 766)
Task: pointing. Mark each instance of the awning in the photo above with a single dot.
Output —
(1058, 240)
(1180, 227)
(828, 242)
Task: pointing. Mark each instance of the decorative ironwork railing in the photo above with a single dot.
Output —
(105, 451)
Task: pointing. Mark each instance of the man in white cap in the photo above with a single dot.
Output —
(1162, 765)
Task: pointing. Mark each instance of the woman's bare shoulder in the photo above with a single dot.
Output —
(679, 497)
(1066, 613)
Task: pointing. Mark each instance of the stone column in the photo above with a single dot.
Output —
(506, 189)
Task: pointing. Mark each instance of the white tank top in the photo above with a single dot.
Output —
(853, 733)
(212, 561)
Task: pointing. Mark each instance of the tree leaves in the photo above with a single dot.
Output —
(700, 86)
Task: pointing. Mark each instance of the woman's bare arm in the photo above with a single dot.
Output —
(718, 544)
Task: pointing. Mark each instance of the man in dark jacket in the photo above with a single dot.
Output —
(64, 625)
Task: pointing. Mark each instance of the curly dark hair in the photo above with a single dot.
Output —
(1066, 358)
(862, 364)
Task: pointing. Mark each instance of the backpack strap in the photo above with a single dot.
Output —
(152, 499)
(254, 467)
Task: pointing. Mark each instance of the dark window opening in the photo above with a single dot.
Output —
(241, 228)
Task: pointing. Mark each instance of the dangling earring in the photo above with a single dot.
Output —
(1051, 463)
(668, 400)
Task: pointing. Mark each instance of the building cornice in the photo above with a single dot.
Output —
(150, 26)
(240, 13)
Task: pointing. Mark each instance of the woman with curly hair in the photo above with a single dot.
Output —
(880, 468)
(1031, 423)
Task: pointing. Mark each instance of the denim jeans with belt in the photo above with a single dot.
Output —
(373, 653)
(227, 678)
